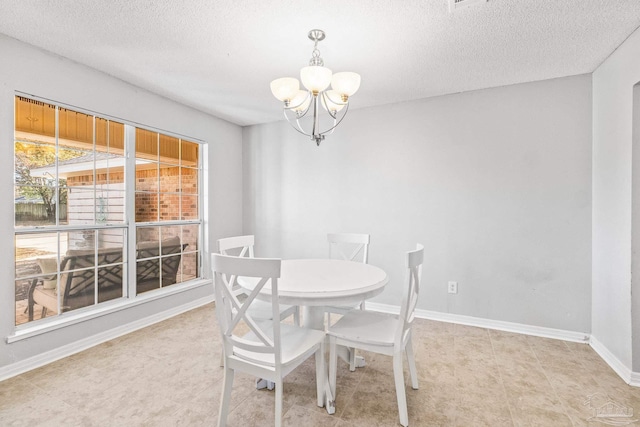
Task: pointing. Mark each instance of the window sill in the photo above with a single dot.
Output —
(63, 321)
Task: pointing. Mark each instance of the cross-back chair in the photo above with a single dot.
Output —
(383, 333)
(242, 246)
(270, 349)
(348, 247)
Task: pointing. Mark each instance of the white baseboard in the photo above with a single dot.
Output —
(499, 325)
(627, 375)
(630, 377)
(22, 366)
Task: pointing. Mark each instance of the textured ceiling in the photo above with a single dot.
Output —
(219, 56)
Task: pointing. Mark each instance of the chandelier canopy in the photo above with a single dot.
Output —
(303, 106)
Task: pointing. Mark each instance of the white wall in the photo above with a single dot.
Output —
(635, 232)
(496, 183)
(24, 68)
(612, 198)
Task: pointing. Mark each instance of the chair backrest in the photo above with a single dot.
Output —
(233, 314)
(240, 246)
(414, 262)
(147, 264)
(77, 272)
(349, 246)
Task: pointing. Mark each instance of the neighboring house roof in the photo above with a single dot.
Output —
(84, 163)
(28, 199)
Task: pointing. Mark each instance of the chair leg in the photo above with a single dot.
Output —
(412, 364)
(352, 359)
(321, 377)
(227, 385)
(398, 376)
(278, 402)
(296, 316)
(44, 312)
(333, 365)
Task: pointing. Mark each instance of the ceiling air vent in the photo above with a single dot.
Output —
(459, 4)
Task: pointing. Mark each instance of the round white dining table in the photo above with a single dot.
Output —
(315, 283)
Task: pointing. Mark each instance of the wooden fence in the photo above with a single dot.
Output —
(35, 212)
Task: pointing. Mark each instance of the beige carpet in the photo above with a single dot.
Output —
(169, 375)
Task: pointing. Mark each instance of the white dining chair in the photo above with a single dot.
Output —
(242, 246)
(271, 349)
(348, 247)
(383, 333)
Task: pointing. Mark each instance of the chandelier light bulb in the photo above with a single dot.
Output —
(315, 78)
(345, 83)
(332, 101)
(285, 88)
(300, 102)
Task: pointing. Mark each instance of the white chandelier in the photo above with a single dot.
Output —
(316, 79)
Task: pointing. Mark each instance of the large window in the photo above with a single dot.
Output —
(81, 206)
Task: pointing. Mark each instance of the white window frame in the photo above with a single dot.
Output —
(129, 300)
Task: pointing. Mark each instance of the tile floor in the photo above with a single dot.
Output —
(169, 375)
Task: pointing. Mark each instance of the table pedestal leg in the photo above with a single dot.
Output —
(313, 318)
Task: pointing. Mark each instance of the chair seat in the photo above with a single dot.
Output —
(47, 298)
(295, 342)
(366, 327)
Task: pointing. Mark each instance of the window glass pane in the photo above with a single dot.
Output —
(63, 206)
(112, 245)
(31, 248)
(34, 118)
(79, 281)
(147, 275)
(189, 180)
(110, 281)
(189, 270)
(171, 234)
(189, 207)
(116, 138)
(169, 178)
(190, 237)
(169, 206)
(34, 162)
(146, 176)
(171, 270)
(34, 205)
(75, 129)
(190, 154)
(81, 205)
(146, 207)
(169, 150)
(109, 206)
(83, 240)
(146, 145)
(109, 137)
(36, 262)
(148, 242)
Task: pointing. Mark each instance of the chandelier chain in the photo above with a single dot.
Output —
(315, 56)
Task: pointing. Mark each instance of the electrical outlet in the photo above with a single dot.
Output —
(452, 287)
